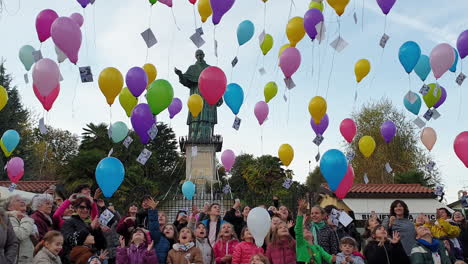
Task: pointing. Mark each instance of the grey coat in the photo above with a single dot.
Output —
(23, 230)
(44, 256)
(405, 227)
(8, 241)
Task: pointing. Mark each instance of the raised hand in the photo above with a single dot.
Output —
(150, 245)
(103, 254)
(95, 223)
(97, 193)
(195, 210)
(392, 220)
(122, 241)
(290, 224)
(396, 237)
(151, 203)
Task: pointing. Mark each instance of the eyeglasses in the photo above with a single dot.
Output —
(83, 207)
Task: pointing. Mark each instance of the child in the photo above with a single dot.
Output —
(214, 222)
(260, 259)
(245, 249)
(139, 251)
(348, 247)
(47, 250)
(224, 246)
(382, 250)
(203, 244)
(164, 236)
(185, 251)
(282, 247)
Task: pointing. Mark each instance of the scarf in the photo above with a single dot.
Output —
(183, 247)
(316, 229)
(434, 246)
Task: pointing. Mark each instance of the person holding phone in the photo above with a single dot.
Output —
(181, 219)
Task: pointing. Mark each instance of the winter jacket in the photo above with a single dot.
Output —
(340, 257)
(407, 231)
(421, 254)
(207, 251)
(304, 250)
(44, 256)
(237, 221)
(222, 248)
(112, 240)
(327, 239)
(179, 225)
(142, 219)
(8, 241)
(161, 243)
(463, 239)
(43, 223)
(442, 229)
(23, 230)
(219, 223)
(244, 251)
(81, 254)
(57, 218)
(349, 231)
(282, 253)
(387, 254)
(136, 255)
(125, 227)
(177, 256)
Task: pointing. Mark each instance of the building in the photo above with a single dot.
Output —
(27, 189)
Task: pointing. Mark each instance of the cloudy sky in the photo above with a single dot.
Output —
(111, 37)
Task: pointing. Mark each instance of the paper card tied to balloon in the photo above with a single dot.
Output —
(428, 114)
(234, 62)
(197, 39)
(226, 189)
(350, 156)
(321, 30)
(261, 37)
(26, 78)
(153, 132)
(289, 83)
(237, 123)
(355, 18)
(287, 183)
(199, 31)
(430, 166)
(285, 98)
(424, 89)
(388, 169)
(128, 140)
(86, 74)
(12, 187)
(42, 127)
(111, 151)
(262, 71)
(383, 40)
(419, 122)
(366, 179)
(318, 140)
(216, 48)
(37, 54)
(149, 38)
(317, 157)
(460, 78)
(339, 44)
(411, 97)
(435, 114)
(144, 156)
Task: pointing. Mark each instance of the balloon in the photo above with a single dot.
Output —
(61, 57)
(228, 158)
(430, 99)
(428, 137)
(136, 80)
(175, 107)
(413, 107)
(110, 83)
(333, 166)
(127, 101)
(317, 5)
(245, 32)
(285, 46)
(386, 5)
(286, 154)
(188, 189)
(460, 145)
(267, 44)
(119, 131)
(259, 224)
(295, 30)
(10, 140)
(212, 83)
(462, 44)
(46, 76)
(192, 1)
(83, 3)
(234, 97)
(290, 60)
(195, 104)
(220, 7)
(367, 146)
(15, 169)
(204, 9)
(361, 69)
(159, 96)
(409, 55)
(443, 96)
(152, 2)
(47, 101)
(338, 5)
(388, 130)
(26, 56)
(311, 19)
(320, 128)
(3, 97)
(110, 173)
(270, 91)
(261, 111)
(151, 72)
(454, 65)
(348, 129)
(66, 34)
(423, 67)
(44, 21)
(346, 183)
(142, 121)
(441, 59)
(166, 2)
(317, 108)
(78, 18)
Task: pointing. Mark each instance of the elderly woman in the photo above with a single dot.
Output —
(23, 225)
(42, 207)
(8, 240)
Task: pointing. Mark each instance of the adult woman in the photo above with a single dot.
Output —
(323, 234)
(63, 212)
(461, 222)
(399, 222)
(42, 207)
(181, 220)
(214, 223)
(239, 222)
(8, 240)
(127, 224)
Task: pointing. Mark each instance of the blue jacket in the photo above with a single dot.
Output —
(161, 243)
(206, 222)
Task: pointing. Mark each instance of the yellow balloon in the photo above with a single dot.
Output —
(3, 97)
(338, 5)
(110, 83)
(267, 44)
(286, 154)
(361, 69)
(316, 5)
(295, 30)
(317, 108)
(270, 91)
(151, 72)
(127, 101)
(367, 146)
(195, 104)
(204, 9)
(5, 151)
(264, 1)
(283, 48)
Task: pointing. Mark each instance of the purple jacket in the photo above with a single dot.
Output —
(136, 255)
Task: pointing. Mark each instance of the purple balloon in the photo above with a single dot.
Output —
(136, 80)
(175, 107)
(220, 7)
(311, 19)
(462, 44)
(83, 3)
(442, 97)
(388, 130)
(142, 121)
(386, 5)
(320, 128)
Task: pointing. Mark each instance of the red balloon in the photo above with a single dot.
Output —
(212, 83)
(192, 1)
(346, 183)
(348, 129)
(460, 145)
(47, 101)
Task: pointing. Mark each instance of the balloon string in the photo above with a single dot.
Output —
(215, 45)
(85, 35)
(173, 17)
(264, 16)
(74, 97)
(318, 76)
(147, 36)
(289, 104)
(385, 25)
(362, 17)
(237, 54)
(460, 103)
(169, 50)
(261, 139)
(355, 95)
(194, 17)
(290, 10)
(331, 71)
(251, 81)
(94, 25)
(409, 82)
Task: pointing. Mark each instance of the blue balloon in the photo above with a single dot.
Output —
(245, 32)
(454, 66)
(333, 166)
(413, 107)
(188, 189)
(110, 173)
(10, 139)
(409, 55)
(423, 67)
(234, 97)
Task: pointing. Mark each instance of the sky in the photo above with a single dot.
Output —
(111, 38)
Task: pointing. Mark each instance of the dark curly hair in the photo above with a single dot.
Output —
(405, 208)
(81, 200)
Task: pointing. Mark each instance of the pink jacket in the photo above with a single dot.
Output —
(222, 248)
(244, 251)
(282, 253)
(57, 217)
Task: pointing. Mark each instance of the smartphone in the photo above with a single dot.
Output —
(110, 204)
(237, 200)
(80, 195)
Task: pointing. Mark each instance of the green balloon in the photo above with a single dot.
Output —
(152, 2)
(119, 131)
(26, 56)
(159, 96)
(430, 99)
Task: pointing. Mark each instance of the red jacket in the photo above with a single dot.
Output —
(222, 248)
(282, 253)
(244, 251)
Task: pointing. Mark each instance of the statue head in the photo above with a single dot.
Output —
(200, 55)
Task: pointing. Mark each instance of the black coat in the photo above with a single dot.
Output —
(237, 221)
(387, 254)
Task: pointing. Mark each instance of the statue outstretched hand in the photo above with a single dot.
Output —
(178, 72)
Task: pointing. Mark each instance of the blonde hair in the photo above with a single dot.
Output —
(261, 257)
(49, 238)
(233, 232)
(191, 232)
(275, 238)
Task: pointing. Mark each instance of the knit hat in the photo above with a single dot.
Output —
(92, 258)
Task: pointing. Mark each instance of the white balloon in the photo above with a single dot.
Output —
(61, 57)
(259, 222)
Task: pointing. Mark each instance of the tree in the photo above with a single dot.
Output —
(265, 176)
(237, 180)
(414, 177)
(314, 180)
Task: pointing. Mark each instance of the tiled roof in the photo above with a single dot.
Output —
(390, 188)
(30, 186)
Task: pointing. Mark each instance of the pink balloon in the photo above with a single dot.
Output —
(78, 18)
(44, 21)
(47, 101)
(228, 158)
(66, 34)
(346, 183)
(460, 145)
(441, 59)
(261, 111)
(166, 2)
(348, 129)
(15, 169)
(46, 76)
(212, 83)
(290, 60)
